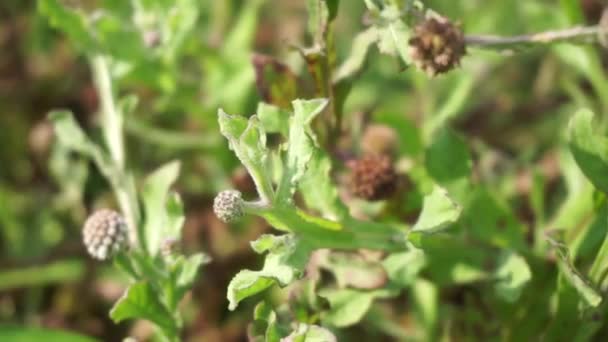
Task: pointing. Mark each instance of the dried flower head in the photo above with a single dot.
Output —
(437, 45)
(228, 205)
(105, 233)
(373, 177)
(379, 139)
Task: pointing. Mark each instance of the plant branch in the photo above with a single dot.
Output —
(112, 128)
(580, 35)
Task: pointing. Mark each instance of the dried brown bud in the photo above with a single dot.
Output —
(373, 177)
(105, 233)
(437, 45)
(380, 140)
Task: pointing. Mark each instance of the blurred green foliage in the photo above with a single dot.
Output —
(523, 255)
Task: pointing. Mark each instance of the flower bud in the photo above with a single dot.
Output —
(105, 233)
(228, 205)
(373, 177)
(437, 45)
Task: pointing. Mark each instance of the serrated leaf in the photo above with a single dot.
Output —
(155, 195)
(439, 211)
(285, 261)
(513, 273)
(590, 150)
(140, 301)
(301, 145)
(248, 141)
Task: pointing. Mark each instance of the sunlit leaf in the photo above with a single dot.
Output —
(284, 263)
(155, 196)
(141, 301)
(589, 149)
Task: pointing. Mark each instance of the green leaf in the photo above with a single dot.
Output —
(273, 118)
(73, 137)
(60, 271)
(438, 212)
(155, 197)
(318, 19)
(140, 301)
(184, 272)
(513, 273)
(311, 333)
(175, 215)
(358, 54)
(589, 150)
(70, 134)
(318, 189)
(301, 145)
(353, 270)
(265, 325)
(348, 306)
(393, 34)
(72, 23)
(284, 263)
(29, 334)
(403, 268)
(248, 141)
(448, 161)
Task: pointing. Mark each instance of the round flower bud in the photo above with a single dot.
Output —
(228, 205)
(105, 233)
(373, 177)
(437, 45)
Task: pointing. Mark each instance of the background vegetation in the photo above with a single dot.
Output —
(524, 260)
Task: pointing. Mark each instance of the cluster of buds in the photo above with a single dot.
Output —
(437, 45)
(105, 233)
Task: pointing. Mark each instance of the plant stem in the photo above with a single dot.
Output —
(112, 128)
(580, 34)
(112, 120)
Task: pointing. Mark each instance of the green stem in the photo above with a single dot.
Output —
(588, 34)
(112, 127)
(176, 140)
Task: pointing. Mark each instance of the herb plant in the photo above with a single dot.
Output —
(369, 223)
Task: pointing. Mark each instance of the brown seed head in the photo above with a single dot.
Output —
(373, 177)
(437, 45)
